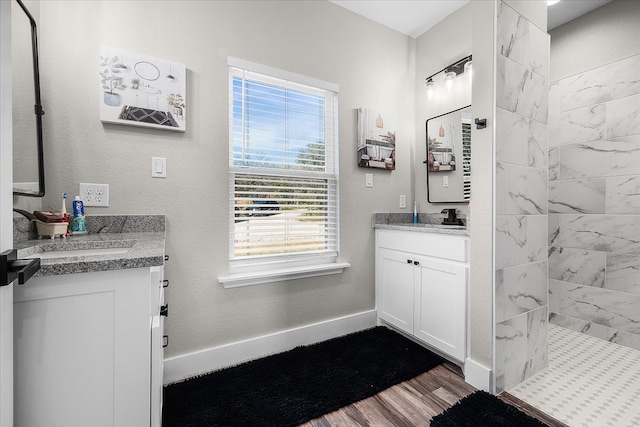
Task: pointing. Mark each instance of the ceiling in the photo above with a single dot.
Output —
(414, 17)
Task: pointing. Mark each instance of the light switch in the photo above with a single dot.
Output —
(158, 167)
(368, 180)
(445, 181)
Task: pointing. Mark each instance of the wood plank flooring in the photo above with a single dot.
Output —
(414, 402)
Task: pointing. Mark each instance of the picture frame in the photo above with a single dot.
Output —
(376, 139)
(140, 90)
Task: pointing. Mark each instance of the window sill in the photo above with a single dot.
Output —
(256, 278)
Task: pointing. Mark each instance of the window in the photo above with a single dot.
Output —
(283, 175)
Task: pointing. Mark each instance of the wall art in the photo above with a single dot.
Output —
(376, 139)
(140, 90)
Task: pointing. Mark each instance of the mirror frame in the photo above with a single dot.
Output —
(426, 162)
(38, 111)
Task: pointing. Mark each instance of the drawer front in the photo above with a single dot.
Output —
(453, 248)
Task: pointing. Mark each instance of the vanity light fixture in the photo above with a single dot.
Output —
(450, 74)
(468, 69)
(429, 85)
(451, 71)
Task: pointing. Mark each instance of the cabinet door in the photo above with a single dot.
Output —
(440, 304)
(82, 349)
(395, 275)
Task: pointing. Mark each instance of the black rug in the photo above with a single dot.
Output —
(482, 409)
(290, 388)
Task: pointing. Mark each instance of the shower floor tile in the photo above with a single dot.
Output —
(589, 382)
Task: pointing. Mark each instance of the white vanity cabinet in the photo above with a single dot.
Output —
(421, 286)
(83, 346)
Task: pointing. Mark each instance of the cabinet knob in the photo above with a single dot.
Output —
(416, 262)
(164, 310)
(409, 261)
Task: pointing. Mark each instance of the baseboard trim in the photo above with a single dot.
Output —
(477, 375)
(192, 364)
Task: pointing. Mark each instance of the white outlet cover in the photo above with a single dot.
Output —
(94, 194)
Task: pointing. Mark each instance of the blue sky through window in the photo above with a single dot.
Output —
(272, 125)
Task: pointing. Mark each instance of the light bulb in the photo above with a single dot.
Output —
(468, 68)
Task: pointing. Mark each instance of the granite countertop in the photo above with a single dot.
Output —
(427, 223)
(118, 248)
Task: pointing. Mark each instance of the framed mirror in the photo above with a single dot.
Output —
(28, 150)
(449, 157)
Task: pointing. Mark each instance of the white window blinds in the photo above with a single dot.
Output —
(283, 195)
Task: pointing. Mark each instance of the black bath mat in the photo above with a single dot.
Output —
(482, 409)
(296, 386)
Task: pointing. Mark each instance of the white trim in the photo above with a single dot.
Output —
(477, 375)
(268, 276)
(189, 365)
(6, 214)
(281, 74)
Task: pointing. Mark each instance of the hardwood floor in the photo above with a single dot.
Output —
(414, 402)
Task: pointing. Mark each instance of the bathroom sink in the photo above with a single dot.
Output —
(79, 252)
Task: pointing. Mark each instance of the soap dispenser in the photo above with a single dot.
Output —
(415, 212)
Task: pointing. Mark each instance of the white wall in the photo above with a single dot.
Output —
(481, 249)
(468, 31)
(374, 67)
(445, 43)
(604, 35)
(6, 232)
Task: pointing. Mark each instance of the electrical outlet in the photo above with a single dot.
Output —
(403, 201)
(94, 194)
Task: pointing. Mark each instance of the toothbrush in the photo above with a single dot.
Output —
(63, 211)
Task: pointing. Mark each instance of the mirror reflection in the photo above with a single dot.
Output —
(28, 168)
(449, 157)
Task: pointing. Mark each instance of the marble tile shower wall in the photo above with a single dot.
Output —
(594, 202)
(521, 198)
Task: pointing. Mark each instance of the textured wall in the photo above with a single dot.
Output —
(481, 250)
(374, 67)
(433, 53)
(522, 67)
(604, 35)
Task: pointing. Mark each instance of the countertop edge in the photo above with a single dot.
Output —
(423, 228)
(146, 249)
